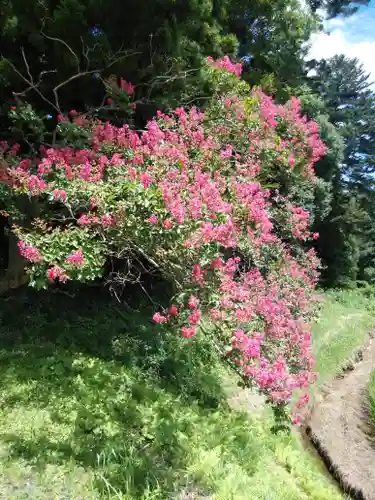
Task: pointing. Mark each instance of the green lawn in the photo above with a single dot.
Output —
(97, 402)
(345, 319)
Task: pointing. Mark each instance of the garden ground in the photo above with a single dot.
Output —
(97, 402)
(371, 401)
(339, 423)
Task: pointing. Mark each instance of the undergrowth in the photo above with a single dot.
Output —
(97, 402)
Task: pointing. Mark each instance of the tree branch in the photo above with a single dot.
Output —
(32, 85)
(54, 39)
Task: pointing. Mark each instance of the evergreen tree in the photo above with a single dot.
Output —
(347, 235)
(337, 7)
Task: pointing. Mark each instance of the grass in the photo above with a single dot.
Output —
(96, 402)
(371, 401)
(346, 318)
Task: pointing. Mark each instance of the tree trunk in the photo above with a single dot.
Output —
(15, 275)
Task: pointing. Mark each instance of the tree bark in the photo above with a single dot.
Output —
(14, 275)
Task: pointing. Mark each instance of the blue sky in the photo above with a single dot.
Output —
(353, 36)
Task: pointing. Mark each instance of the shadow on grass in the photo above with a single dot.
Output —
(82, 379)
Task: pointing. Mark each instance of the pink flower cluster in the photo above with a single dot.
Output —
(29, 252)
(226, 63)
(59, 195)
(92, 220)
(192, 314)
(126, 87)
(76, 259)
(299, 221)
(57, 273)
(272, 302)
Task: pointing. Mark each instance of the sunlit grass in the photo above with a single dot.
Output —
(97, 402)
(345, 320)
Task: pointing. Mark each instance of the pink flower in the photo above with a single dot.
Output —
(227, 153)
(226, 63)
(56, 272)
(138, 160)
(76, 259)
(25, 164)
(173, 310)
(159, 318)
(29, 252)
(146, 180)
(36, 185)
(303, 400)
(188, 332)
(217, 315)
(84, 220)
(109, 101)
(198, 275)
(59, 195)
(107, 220)
(152, 220)
(214, 212)
(193, 302)
(217, 263)
(195, 317)
(126, 87)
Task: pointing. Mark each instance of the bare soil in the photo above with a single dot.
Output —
(339, 429)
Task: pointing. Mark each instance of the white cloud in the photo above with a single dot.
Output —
(337, 21)
(324, 46)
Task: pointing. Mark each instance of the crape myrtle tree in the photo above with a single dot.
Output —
(215, 201)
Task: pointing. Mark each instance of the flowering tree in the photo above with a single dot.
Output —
(209, 199)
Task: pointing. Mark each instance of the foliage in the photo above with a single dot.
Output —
(334, 8)
(98, 403)
(215, 201)
(343, 85)
(272, 40)
(57, 54)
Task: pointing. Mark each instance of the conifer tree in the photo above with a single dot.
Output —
(347, 235)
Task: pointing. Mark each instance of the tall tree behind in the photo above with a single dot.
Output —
(334, 8)
(272, 38)
(159, 46)
(347, 235)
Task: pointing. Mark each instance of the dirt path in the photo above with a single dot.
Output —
(338, 428)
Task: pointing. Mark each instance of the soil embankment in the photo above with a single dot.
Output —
(339, 430)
